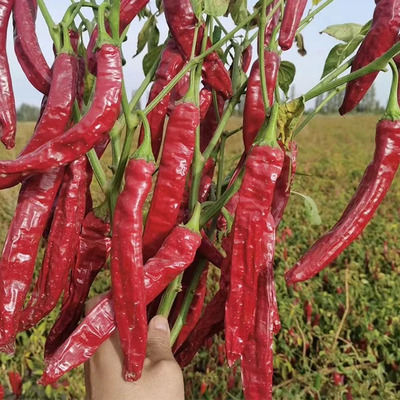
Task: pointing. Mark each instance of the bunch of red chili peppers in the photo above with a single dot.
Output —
(160, 252)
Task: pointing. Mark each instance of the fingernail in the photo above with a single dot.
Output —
(161, 323)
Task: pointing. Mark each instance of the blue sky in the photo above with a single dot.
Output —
(309, 68)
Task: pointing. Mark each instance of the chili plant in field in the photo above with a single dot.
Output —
(187, 232)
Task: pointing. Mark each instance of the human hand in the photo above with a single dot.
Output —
(161, 378)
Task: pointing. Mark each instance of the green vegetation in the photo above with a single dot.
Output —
(357, 339)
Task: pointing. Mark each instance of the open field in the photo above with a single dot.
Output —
(351, 341)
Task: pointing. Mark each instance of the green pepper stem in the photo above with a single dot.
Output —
(144, 151)
(103, 37)
(187, 302)
(221, 161)
(169, 296)
(377, 65)
(114, 19)
(194, 223)
(54, 29)
(392, 109)
(267, 134)
(66, 48)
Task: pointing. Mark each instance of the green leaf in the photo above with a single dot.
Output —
(287, 72)
(198, 6)
(289, 116)
(154, 36)
(150, 58)
(216, 8)
(311, 209)
(339, 53)
(343, 32)
(48, 391)
(316, 2)
(143, 36)
(217, 34)
(238, 10)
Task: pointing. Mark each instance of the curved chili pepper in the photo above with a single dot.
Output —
(294, 10)
(176, 254)
(171, 63)
(8, 113)
(27, 48)
(210, 123)
(205, 101)
(174, 166)
(252, 223)
(16, 383)
(254, 114)
(206, 179)
(182, 23)
(85, 134)
(246, 57)
(381, 37)
(371, 191)
(284, 184)
(272, 23)
(61, 246)
(129, 9)
(93, 250)
(209, 251)
(127, 266)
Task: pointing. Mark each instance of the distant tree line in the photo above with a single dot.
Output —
(27, 112)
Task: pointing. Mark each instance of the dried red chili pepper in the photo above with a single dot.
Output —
(272, 23)
(1, 392)
(129, 9)
(209, 251)
(27, 48)
(8, 113)
(250, 230)
(182, 23)
(127, 261)
(170, 187)
(254, 114)
(61, 246)
(381, 37)
(246, 57)
(175, 255)
(284, 184)
(294, 10)
(371, 191)
(205, 101)
(171, 63)
(82, 137)
(93, 250)
(16, 383)
(210, 123)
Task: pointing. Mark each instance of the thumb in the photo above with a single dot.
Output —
(159, 340)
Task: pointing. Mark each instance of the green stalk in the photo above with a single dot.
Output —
(169, 296)
(187, 302)
(145, 151)
(267, 134)
(114, 19)
(54, 29)
(377, 65)
(234, 132)
(221, 161)
(311, 15)
(392, 109)
(318, 109)
(103, 37)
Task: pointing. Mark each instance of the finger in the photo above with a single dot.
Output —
(159, 340)
(92, 303)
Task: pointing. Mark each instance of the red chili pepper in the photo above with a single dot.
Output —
(182, 22)
(82, 137)
(206, 180)
(371, 191)
(170, 187)
(246, 57)
(1, 392)
(8, 114)
(27, 48)
(210, 123)
(381, 37)
(127, 263)
(294, 10)
(284, 183)
(93, 250)
(129, 9)
(209, 251)
(206, 100)
(272, 23)
(253, 114)
(175, 255)
(16, 383)
(61, 246)
(171, 63)
(308, 311)
(252, 222)
(203, 388)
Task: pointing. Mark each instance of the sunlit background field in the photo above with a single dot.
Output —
(343, 346)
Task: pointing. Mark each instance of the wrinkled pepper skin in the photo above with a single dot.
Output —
(272, 23)
(169, 190)
(62, 245)
(182, 21)
(176, 254)
(253, 114)
(27, 48)
(127, 266)
(252, 223)
(93, 250)
(83, 136)
(284, 183)
(371, 191)
(381, 37)
(128, 11)
(56, 111)
(171, 63)
(246, 58)
(8, 113)
(294, 10)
